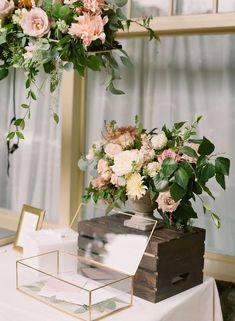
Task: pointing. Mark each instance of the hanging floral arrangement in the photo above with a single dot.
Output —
(61, 34)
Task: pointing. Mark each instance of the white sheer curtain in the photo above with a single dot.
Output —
(35, 166)
(182, 77)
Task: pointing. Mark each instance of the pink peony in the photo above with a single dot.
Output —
(89, 28)
(94, 6)
(166, 202)
(124, 136)
(168, 153)
(6, 8)
(98, 182)
(112, 149)
(103, 169)
(35, 23)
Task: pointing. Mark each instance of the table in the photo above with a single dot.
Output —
(200, 303)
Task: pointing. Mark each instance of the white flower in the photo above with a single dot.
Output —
(62, 26)
(117, 181)
(159, 141)
(135, 187)
(91, 154)
(124, 162)
(153, 168)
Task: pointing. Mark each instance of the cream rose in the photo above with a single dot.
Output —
(123, 162)
(6, 8)
(117, 181)
(35, 23)
(112, 149)
(166, 202)
(153, 168)
(159, 141)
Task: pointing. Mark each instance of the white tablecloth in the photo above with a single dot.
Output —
(200, 303)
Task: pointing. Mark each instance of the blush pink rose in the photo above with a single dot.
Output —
(112, 149)
(103, 169)
(98, 182)
(166, 202)
(35, 23)
(168, 153)
(6, 8)
(89, 28)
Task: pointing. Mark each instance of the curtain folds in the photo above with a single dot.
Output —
(35, 166)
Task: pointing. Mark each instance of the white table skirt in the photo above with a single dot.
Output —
(200, 303)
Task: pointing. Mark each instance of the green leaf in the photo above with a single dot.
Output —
(222, 165)
(206, 147)
(197, 188)
(126, 61)
(177, 192)
(189, 151)
(181, 178)
(32, 94)
(3, 73)
(187, 167)
(25, 106)
(220, 179)
(121, 3)
(120, 14)
(68, 66)
(114, 90)
(202, 160)
(56, 117)
(161, 184)
(216, 220)
(82, 164)
(169, 165)
(207, 172)
(185, 211)
(93, 62)
(20, 135)
(11, 135)
(177, 126)
(208, 191)
(20, 123)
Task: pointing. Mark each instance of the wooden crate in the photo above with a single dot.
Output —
(173, 261)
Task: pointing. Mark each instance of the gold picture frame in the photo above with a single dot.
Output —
(31, 219)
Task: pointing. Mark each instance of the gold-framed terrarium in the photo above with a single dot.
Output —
(92, 285)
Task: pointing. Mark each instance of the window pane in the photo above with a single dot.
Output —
(226, 6)
(183, 77)
(142, 8)
(193, 6)
(35, 166)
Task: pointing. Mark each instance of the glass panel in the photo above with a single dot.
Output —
(193, 6)
(185, 76)
(226, 6)
(74, 285)
(112, 239)
(142, 8)
(34, 174)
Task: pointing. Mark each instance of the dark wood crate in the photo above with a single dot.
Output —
(173, 261)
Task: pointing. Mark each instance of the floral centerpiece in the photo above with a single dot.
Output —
(61, 34)
(172, 166)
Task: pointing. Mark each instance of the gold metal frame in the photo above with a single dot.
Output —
(88, 261)
(32, 210)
